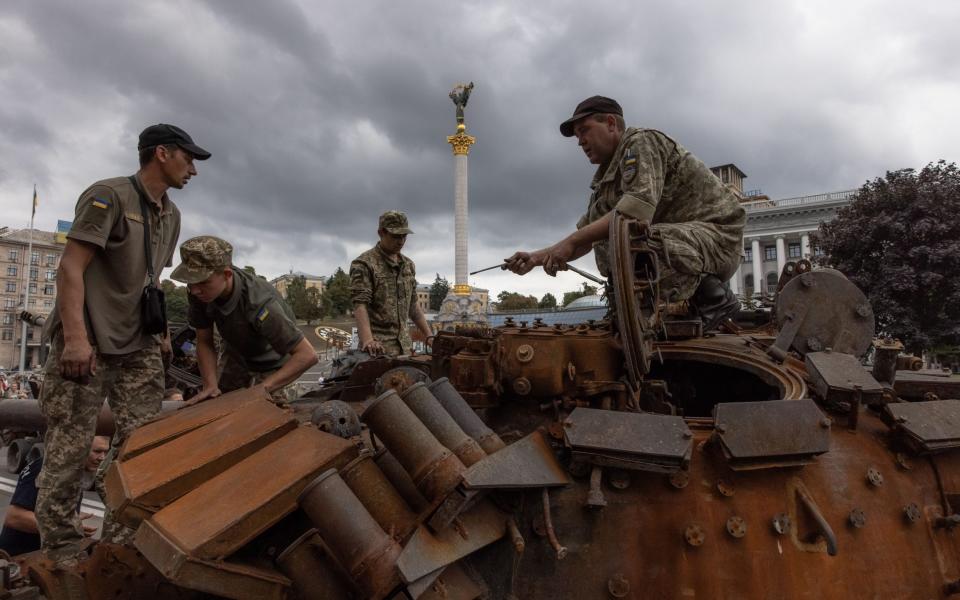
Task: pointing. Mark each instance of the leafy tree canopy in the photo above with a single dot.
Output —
(507, 301)
(588, 290)
(438, 291)
(548, 301)
(899, 241)
(175, 297)
(336, 297)
(304, 301)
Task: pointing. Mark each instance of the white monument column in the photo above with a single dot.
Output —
(461, 143)
(735, 282)
(758, 283)
(781, 255)
(805, 245)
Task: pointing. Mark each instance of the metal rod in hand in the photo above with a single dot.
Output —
(589, 276)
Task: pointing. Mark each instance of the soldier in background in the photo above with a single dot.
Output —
(99, 348)
(696, 222)
(383, 288)
(261, 341)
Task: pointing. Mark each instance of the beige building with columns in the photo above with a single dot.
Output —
(312, 281)
(36, 273)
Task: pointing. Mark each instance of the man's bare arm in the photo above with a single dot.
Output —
(416, 315)
(78, 359)
(207, 361)
(20, 519)
(302, 358)
(555, 258)
(367, 343)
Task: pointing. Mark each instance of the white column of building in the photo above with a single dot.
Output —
(735, 282)
(781, 255)
(757, 268)
(805, 245)
(460, 220)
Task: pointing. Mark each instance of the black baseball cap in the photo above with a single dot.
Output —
(591, 106)
(162, 133)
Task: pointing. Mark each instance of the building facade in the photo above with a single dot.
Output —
(423, 297)
(312, 281)
(20, 273)
(778, 231)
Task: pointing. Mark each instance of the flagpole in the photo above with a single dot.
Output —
(26, 288)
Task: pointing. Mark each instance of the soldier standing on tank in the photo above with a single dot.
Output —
(696, 222)
(261, 341)
(99, 347)
(383, 287)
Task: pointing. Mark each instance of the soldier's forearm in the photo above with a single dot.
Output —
(21, 519)
(206, 360)
(302, 358)
(363, 323)
(583, 239)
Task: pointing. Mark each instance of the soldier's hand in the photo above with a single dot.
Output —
(204, 394)
(557, 257)
(166, 350)
(522, 263)
(88, 530)
(373, 348)
(78, 361)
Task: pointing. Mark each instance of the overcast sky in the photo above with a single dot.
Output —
(322, 115)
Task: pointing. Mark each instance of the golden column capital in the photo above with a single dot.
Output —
(461, 142)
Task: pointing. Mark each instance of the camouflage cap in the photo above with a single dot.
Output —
(395, 222)
(201, 257)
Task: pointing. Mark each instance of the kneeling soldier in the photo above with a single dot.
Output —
(261, 341)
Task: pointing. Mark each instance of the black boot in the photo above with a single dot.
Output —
(714, 302)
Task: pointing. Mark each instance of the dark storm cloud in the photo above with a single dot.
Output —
(321, 116)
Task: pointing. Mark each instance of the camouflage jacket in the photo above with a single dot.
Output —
(652, 177)
(388, 289)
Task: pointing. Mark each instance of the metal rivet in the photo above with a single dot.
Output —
(695, 535)
(687, 434)
(737, 527)
(782, 523)
(858, 518)
(618, 478)
(680, 479)
(725, 488)
(903, 462)
(618, 586)
(874, 477)
(911, 512)
(826, 422)
(525, 353)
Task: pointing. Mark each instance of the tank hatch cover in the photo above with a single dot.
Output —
(637, 441)
(836, 375)
(928, 427)
(778, 433)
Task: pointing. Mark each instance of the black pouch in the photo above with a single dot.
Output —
(153, 310)
(153, 306)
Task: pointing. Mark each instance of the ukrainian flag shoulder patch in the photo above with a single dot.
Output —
(100, 203)
(263, 314)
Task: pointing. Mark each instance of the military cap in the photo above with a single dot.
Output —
(395, 222)
(591, 106)
(201, 257)
(162, 133)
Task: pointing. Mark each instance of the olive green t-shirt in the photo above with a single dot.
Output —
(256, 325)
(108, 215)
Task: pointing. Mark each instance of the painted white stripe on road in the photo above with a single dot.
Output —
(89, 505)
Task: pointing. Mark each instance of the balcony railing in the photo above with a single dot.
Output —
(798, 201)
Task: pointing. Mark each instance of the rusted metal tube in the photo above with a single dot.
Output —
(434, 469)
(314, 575)
(467, 418)
(21, 414)
(354, 538)
(376, 493)
(400, 480)
(428, 409)
(824, 527)
(548, 525)
(515, 536)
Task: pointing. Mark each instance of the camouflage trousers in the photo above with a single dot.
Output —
(393, 347)
(688, 251)
(234, 375)
(133, 386)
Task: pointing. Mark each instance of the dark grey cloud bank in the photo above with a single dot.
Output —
(322, 115)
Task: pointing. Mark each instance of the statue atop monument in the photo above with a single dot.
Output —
(460, 95)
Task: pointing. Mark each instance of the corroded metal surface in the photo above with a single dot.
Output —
(778, 433)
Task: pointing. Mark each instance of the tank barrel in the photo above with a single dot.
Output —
(25, 415)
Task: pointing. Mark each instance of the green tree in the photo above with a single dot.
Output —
(305, 305)
(899, 241)
(548, 301)
(175, 297)
(588, 290)
(507, 301)
(336, 297)
(438, 291)
(249, 269)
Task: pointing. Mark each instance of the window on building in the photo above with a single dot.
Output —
(48, 303)
(35, 258)
(12, 254)
(11, 271)
(7, 334)
(51, 260)
(33, 288)
(770, 253)
(48, 290)
(771, 283)
(793, 250)
(11, 286)
(29, 333)
(748, 285)
(817, 251)
(51, 275)
(9, 303)
(34, 273)
(8, 318)
(747, 255)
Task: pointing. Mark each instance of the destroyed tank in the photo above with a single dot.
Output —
(630, 458)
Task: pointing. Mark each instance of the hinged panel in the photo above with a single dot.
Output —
(772, 433)
(640, 441)
(930, 426)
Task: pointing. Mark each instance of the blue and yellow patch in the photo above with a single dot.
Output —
(628, 167)
(263, 314)
(100, 203)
